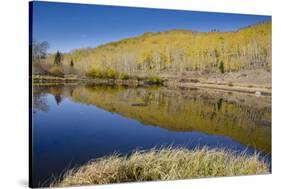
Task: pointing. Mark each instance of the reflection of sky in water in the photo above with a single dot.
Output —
(71, 133)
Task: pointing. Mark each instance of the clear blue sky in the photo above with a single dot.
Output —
(71, 26)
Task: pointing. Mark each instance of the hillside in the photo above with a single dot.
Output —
(176, 52)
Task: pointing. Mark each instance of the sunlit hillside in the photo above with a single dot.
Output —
(178, 51)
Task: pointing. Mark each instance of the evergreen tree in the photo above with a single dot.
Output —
(221, 67)
(71, 63)
(58, 58)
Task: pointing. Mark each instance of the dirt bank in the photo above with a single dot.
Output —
(250, 81)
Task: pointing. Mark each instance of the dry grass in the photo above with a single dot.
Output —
(163, 164)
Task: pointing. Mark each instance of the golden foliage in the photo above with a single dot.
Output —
(177, 51)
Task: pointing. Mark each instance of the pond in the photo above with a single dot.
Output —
(72, 124)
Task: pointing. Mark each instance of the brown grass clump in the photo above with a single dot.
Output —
(56, 71)
(164, 164)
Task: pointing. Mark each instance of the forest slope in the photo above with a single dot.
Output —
(177, 51)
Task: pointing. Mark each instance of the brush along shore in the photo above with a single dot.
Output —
(163, 164)
(247, 81)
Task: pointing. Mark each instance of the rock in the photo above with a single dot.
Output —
(258, 93)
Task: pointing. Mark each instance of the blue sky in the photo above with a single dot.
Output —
(70, 26)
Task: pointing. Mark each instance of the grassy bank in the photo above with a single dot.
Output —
(163, 164)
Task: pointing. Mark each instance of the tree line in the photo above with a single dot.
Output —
(174, 52)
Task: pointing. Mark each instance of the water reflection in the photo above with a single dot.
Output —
(39, 101)
(247, 121)
(73, 124)
(245, 118)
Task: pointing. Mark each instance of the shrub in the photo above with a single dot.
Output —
(155, 80)
(56, 71)
(94, 73)
(112, 74)
(106, 74)
(123, 76)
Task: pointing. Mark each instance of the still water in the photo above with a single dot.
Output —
(73, 124)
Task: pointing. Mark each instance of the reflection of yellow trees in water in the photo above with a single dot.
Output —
(185, 112)
(188, 110)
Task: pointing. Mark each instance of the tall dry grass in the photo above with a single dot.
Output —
(164, 164)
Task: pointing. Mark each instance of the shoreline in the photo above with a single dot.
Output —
(257, 90)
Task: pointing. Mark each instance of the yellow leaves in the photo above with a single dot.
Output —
(97, 73)
(179, 50)
(232, 65)
(163, 58)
